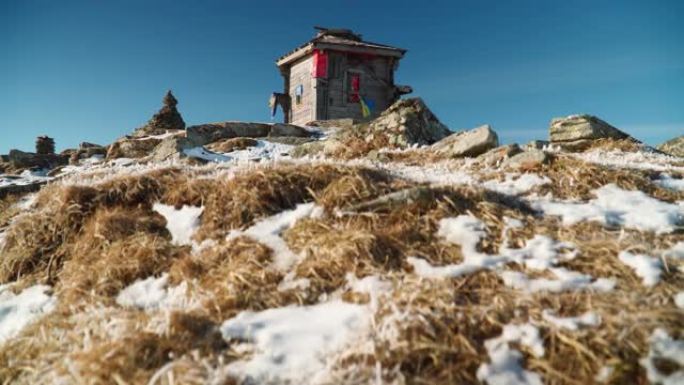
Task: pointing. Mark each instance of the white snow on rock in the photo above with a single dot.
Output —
(504, 367)
(617, 207)
(566, 280)
(291, 344)
(202, 153)
(646, 267)
(154, 293)
(515, 186)
(268, 230)
(671, 183)
(19, 310)
(180, 223)
(572, 323)
(664, 347)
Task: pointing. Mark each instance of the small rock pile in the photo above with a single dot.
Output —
(45, 145)
(167, 119)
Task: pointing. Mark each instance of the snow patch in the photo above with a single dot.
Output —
(572, 323)
(516, 186)
(671, 183)
(676, 252)
(263, 150)
(202, 153)
(180, 223)
(291, 343)
(505, 368)
(268, 230)
(646, 267)
(153, 293)
(566, 280)
(664, 347)
(541, 252)
(604, 374)
(19, 310)
(679, 299)
(614, 206)
(642, 160)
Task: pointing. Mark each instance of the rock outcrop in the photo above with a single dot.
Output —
(233, 144)
(23, 160)
(86, 150)
(673, 146)
(468, 143)
(582, 127)
(406, 122)
(167, 119)
(171, 148)
(132, 147)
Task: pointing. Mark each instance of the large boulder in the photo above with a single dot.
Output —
(404, 123)
(497, 155)
(212, 132)
(132, 147)
(172, 148)
(673, 146)
(582, 127)
(280, 129)
(167, 119)
(468, 143)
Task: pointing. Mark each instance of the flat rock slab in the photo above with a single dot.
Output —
(529, 159)
(212, 132)
(580, 127)
(468, 143)
(497, 155)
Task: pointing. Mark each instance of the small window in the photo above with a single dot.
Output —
(299, 91)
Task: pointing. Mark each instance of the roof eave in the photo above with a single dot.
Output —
(395, 52)
(307, 49)
(295, 55)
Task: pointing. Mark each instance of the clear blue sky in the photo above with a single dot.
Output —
(95, 70)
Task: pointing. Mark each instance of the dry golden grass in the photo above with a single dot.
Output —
(237, 202)
(238, 276)
(572, 178)
(232, 144)
(8, 208)
(90, 242)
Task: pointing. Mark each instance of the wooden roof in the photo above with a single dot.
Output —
(339, 40)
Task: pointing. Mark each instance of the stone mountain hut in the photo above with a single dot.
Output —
(338, 75)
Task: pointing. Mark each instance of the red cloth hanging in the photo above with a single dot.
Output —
(320, 64)
(355, 87)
